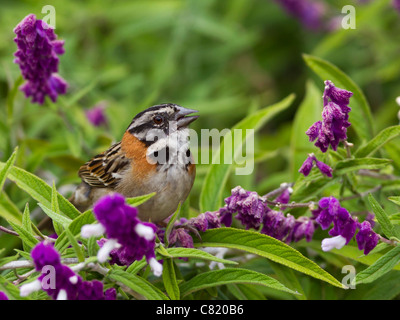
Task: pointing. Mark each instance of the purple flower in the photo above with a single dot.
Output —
(344, 227)
(333, 127)
(181, 238)
(248, 206)
(309, 13)
(131, 237)
(328, 208)
(308, 164)
(366, 238)
(303, 228)
(96, 115)
(37, 56)
(68, 285)
(284, 197)
(3, 296)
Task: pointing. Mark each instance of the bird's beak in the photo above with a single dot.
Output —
(182, 118)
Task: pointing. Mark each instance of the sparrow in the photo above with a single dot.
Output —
(152, 156)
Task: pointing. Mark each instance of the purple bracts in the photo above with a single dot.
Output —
(122, 224)
(45, 255)
(333, 127)
(37, 56)
(366, 238)
(308, 164)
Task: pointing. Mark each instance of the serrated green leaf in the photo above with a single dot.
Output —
(27, 223)
(217, 175)
(360, 115)
(58, 218)
(349, 165)
(383, 265)
(29, 240)
(230, 276)
(137, 284)
(169, 279)
(381, 216)
(264, 246)
(7, 167)
(378, 142)
(40, 190)
(179, 252)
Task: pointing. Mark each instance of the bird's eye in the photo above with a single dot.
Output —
(158, 119)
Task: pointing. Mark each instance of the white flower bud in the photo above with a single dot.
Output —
(337, 242)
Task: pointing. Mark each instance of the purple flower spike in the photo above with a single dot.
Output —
(366, 238)
(37, 56)
(335, 115)
(68, 285)
(129, 239)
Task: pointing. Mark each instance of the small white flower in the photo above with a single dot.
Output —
(73, 279)
(144, 231)
(337, 242)
(104, 252)
(62, 295)
(156, 267)
(92, 230)
(30, 287)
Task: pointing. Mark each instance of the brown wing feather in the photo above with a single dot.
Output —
(102, 171)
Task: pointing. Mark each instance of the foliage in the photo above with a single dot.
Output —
(243, 65)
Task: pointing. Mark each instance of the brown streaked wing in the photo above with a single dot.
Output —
(102, 171)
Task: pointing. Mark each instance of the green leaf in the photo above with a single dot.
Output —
(169, 279)
(360, 115)
(264, 246)
(40, 190)
(217, 175)
(10, 290)
(381, 216)
(27, 224)
(6, 169)
(383, 265)
(11, 98)
(230, 276)
(308, 112)
(8, 210)
(75, 228)
(170, 224)
(180, 252)
(75, 245)
(137, 284)
(378, 142)
(348, 165)
(136, 201)
(395, 199)
(58, 218)
(28, 239)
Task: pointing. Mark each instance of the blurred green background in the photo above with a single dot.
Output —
(225, 58)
